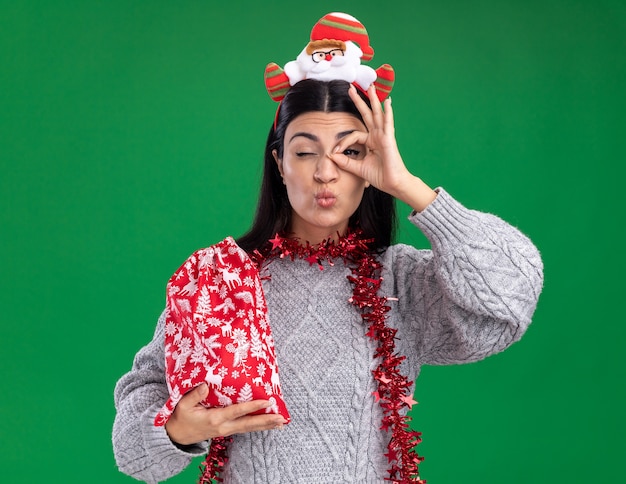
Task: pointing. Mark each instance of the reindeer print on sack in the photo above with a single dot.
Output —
(230, 276)
(217, 332)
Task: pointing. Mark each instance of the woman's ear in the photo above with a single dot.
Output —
(278, 161)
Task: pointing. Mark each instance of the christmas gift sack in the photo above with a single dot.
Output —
(217, 331)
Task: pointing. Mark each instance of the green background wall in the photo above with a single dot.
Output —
(131, 134)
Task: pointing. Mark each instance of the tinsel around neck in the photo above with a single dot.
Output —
(393, 388)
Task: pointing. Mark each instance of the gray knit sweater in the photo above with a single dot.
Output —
(471, 296)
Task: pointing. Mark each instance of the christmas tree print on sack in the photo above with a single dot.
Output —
(217, 332)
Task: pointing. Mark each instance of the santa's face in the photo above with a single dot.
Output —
(330, 62)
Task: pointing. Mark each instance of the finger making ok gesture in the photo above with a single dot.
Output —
(382, 166)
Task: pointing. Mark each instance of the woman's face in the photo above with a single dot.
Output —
(322, 196)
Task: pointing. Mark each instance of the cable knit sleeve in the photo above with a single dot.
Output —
(473, 294)
(141, 449)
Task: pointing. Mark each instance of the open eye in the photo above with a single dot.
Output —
(351, 152)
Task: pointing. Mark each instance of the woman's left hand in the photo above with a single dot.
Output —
(382, 165)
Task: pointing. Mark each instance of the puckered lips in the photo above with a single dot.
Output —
(325, 198)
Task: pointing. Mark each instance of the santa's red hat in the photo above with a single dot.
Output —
(341, 26)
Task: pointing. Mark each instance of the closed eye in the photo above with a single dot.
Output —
(303, 154)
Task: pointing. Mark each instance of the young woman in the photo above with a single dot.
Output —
(349, 338)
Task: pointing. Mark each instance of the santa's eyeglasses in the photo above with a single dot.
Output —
(320, 55)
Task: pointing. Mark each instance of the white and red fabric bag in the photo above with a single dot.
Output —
(217, 331)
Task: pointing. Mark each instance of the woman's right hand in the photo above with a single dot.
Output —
(191, 422)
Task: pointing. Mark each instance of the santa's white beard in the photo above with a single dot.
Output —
(339, 67)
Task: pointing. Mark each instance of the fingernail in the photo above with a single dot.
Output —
(279, 427)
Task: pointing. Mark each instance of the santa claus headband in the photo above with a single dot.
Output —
(338, 44)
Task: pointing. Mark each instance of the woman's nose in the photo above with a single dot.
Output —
(327, 171)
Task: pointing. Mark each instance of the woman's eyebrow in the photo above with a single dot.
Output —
(304, 134)
(343, 134)
(312, 137)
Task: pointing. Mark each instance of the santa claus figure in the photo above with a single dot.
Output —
(338, 44)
